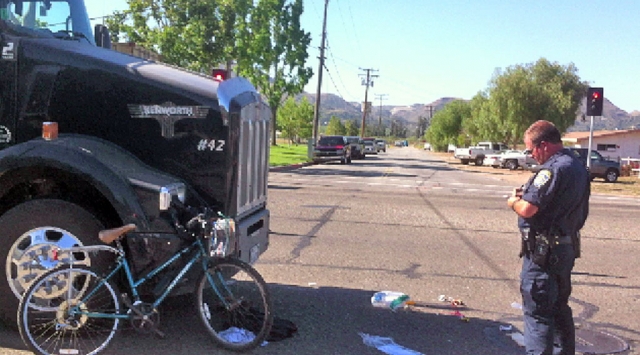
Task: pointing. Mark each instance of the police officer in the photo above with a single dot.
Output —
(551, 207)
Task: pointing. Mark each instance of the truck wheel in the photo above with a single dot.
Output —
(464, 161)
(511, 164)
(28, 232)
(479, 161)
(611, 175)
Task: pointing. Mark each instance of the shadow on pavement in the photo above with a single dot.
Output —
(329, 321)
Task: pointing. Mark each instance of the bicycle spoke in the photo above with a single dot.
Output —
(63, 324)
(234, 305)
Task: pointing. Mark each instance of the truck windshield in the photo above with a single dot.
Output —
(65, 19)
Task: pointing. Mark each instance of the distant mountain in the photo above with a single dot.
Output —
(333, 105)
(612, 118)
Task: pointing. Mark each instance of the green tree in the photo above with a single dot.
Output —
(193, 34)
(335, 127)
(523, 94)
(263, 36)
(287, 119)
(295, 119)
(351, 128)
(272, 50)
(446, 125)
(305, 113)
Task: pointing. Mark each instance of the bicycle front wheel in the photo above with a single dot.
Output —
(234, 304)
(68, 311)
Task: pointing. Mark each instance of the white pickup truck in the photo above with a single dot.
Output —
(478, 152)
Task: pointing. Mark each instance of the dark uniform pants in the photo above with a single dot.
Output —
(545, 298)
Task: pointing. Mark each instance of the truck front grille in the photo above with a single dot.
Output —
(253, 161)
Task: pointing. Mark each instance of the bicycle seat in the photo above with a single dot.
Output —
(109, 236)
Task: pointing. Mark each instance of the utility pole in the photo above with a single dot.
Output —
(430, 112)
(366, 82)
(380, 97)
(316, 113)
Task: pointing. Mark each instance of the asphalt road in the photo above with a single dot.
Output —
(407, 221)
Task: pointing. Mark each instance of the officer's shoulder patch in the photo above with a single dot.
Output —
(542, 178)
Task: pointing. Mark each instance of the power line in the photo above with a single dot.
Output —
(338, 73)
(333, 82)
(357, 42)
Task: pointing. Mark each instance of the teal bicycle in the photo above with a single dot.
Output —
(73, 310)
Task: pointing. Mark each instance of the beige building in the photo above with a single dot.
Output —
(624, 143)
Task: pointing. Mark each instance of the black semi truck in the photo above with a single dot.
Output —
(133, 135)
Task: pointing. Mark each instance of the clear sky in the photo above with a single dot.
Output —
(423, 50)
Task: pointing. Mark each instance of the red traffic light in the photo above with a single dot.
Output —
(594, 107)
(219, 74)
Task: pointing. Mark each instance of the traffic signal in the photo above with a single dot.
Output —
(219, 74)
(595, 97)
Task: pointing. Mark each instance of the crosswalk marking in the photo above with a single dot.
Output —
(445, 185)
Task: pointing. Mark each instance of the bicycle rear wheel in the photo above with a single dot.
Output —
(53, 313)
(234, 305)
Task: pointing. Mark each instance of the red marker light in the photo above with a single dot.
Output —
(219, 74)
(596, 95)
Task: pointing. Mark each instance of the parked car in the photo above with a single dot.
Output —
(609, 170)
(477, 153)
(493, 160)
(370, 146)
(381, 145)
(332, 148)
(357, 147)
(514, 159)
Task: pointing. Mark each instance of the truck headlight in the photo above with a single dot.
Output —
(224, 230)
(168, 191)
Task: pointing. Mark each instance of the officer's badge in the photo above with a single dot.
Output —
(542, 178)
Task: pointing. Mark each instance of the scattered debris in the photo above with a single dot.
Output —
(390, 299)
(386, 345)
(454, 304)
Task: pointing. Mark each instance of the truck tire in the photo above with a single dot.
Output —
(511, 164)
(27, 230)
(464, 161)
(611, 175)
(479, 160)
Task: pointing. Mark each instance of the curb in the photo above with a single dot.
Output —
(289, 167)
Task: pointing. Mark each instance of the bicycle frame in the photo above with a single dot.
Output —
(199, 253)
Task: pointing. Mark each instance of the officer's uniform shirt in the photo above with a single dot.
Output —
(557, 188)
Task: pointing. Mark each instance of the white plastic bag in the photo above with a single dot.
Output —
(386, 345)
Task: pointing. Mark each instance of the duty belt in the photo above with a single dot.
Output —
(555, 240)
(560, 240)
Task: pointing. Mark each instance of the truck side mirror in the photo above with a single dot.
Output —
(102, 36)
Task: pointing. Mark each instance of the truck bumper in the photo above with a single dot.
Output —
(253, 236)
